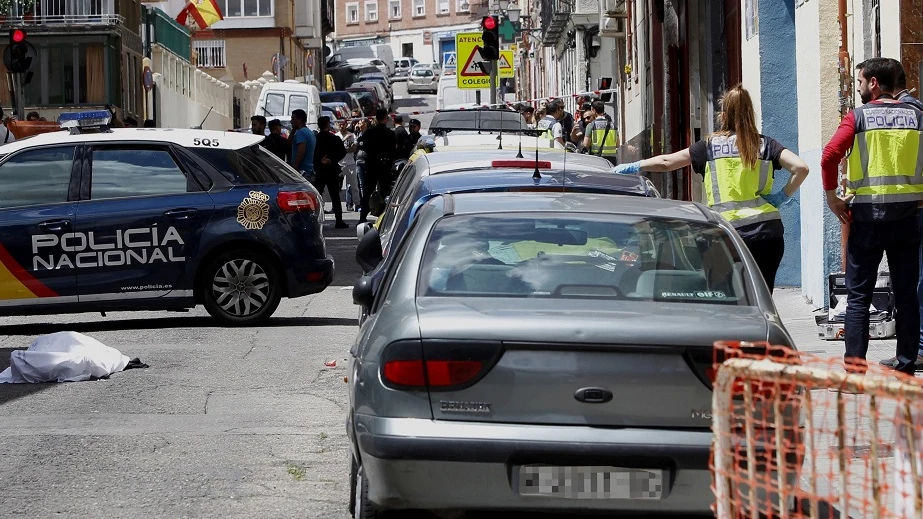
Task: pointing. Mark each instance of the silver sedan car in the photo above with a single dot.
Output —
(422, 79)
(551, 351)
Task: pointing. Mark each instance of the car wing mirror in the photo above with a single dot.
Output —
(369, 252)
(364, 292)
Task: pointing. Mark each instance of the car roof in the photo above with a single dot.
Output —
(181, 137)
(486, 179)
(454, 160)
(475, 203)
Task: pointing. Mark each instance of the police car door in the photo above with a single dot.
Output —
(142, 216)
(37, 209)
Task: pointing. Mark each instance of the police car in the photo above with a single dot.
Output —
(93, 219)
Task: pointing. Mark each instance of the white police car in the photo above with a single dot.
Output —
(93, 219)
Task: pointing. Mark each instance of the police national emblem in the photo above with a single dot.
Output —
(253, 211)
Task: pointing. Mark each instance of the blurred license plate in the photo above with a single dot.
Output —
(591, 482)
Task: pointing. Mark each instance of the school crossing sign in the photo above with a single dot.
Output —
(468, 51)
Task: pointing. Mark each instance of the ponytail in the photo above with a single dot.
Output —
(739, 118)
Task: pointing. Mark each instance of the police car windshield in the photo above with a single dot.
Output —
(252, 165)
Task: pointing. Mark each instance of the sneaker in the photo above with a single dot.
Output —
(341, 225)
(892, 362)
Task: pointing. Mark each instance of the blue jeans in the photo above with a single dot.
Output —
(868, 241)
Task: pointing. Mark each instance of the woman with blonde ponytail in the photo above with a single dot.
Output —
(738, 165)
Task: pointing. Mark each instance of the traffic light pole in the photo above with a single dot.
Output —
(494, 67)
(18, 104)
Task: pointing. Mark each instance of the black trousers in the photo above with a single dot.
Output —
(330, 181)
(867, 242)
(768, 255)
(374, 180)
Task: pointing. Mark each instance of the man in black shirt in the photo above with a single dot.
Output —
(400, 136)
(412, 137)
(380, 146)
(328, 153)
(274, 142)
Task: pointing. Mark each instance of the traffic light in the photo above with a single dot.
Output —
(490, 25)
(605, 83)
(19, 53)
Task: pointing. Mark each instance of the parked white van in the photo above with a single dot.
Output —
(449, 96)
(279, 100)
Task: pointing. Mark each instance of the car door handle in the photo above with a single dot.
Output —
(55, 225)
(180, 214)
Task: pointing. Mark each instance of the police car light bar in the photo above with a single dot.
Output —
(90, 119)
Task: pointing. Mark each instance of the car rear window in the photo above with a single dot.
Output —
(590, 256)
(251, 165)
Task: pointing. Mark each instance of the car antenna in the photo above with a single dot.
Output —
(519, 155)
(536, 175)
(199, 127)
(500, 138)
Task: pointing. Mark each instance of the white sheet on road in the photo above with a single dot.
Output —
(63, 357)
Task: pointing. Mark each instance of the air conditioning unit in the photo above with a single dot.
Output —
(615, 7)
(612, 27)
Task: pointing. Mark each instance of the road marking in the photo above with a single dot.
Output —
(328, 238)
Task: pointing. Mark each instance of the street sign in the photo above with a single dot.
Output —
(448, 60)
(427, 38)
(508, 30)
(468, 46)
(505, 63)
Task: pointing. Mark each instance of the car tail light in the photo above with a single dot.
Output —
(521, 163)
(296, 201)
(437, 365)
(705, 363)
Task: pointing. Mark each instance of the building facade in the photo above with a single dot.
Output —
(422, 29)
(89, 55)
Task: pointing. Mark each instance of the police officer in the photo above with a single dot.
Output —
(737, 164)
(881, 206)
(380, 146)
(551, 123)
(601, 136)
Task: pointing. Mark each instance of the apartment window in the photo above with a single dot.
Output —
(209, 53)
(462, 6)
(241, 8)
(352, 13)
(442, 6)
(394, 9)
(371, 11)
(419, 8)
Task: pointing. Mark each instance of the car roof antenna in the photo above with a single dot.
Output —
(500, 138)
(536, 175)
(519, 155)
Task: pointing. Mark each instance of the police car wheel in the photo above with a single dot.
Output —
(241, 288)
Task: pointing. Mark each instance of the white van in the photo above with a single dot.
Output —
(279, 100)
(449, 96)
(379, 52)
(384, 53)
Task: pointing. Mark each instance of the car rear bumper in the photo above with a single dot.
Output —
(413, 463)
(310, 277)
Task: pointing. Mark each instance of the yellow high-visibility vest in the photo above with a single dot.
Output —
(733, 189)
(885, 164)
(600, 138)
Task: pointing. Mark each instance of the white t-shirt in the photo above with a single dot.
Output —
(6, 136)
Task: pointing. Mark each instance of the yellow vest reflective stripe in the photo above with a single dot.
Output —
(734, 190)
(886, 161)
(599, 138)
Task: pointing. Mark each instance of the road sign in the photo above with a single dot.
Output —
(427, 38)
(506, 63)
(448, 60)
(468, 46)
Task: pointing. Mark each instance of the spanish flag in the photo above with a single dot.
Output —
(203, 12)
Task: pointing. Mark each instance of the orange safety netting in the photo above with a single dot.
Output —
(796, 435)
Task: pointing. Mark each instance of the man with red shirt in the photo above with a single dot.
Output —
(885, 188)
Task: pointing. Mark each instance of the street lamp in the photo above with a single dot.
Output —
(513, 14)
(503, 4)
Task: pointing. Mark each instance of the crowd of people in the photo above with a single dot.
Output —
(592, 131)
(359, 153)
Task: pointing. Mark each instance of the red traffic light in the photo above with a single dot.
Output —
(17, 35)
(489, 23)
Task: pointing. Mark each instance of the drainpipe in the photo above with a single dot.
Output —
(845, 105)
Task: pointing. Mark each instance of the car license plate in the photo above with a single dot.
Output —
(591, 482)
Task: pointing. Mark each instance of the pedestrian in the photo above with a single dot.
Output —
(303, 144)
(551, 123)
(32, 116)
(6, 136)
(738, 165)
(881, 206)
(276, 143)
(380, 145)
(413, 136)
(400, 136)
(349, 165)
(131, 122)
(528, 114)
(149, 123)
(328, 153)
(602, 138)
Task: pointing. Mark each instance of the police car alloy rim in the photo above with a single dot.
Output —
(241, 287)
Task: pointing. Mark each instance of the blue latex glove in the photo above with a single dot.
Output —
(777, 199)
(627, 169)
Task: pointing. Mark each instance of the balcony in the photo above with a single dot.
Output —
(554, 18)
(59, 13)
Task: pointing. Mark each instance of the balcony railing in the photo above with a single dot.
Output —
(64, 12)
(554, 17)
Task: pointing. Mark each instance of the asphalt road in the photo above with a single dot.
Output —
(243, 422)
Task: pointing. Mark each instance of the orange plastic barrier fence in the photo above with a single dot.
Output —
(800, 436)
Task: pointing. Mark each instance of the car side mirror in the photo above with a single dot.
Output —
(369, 253)
(362, 228)
(364, 293)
